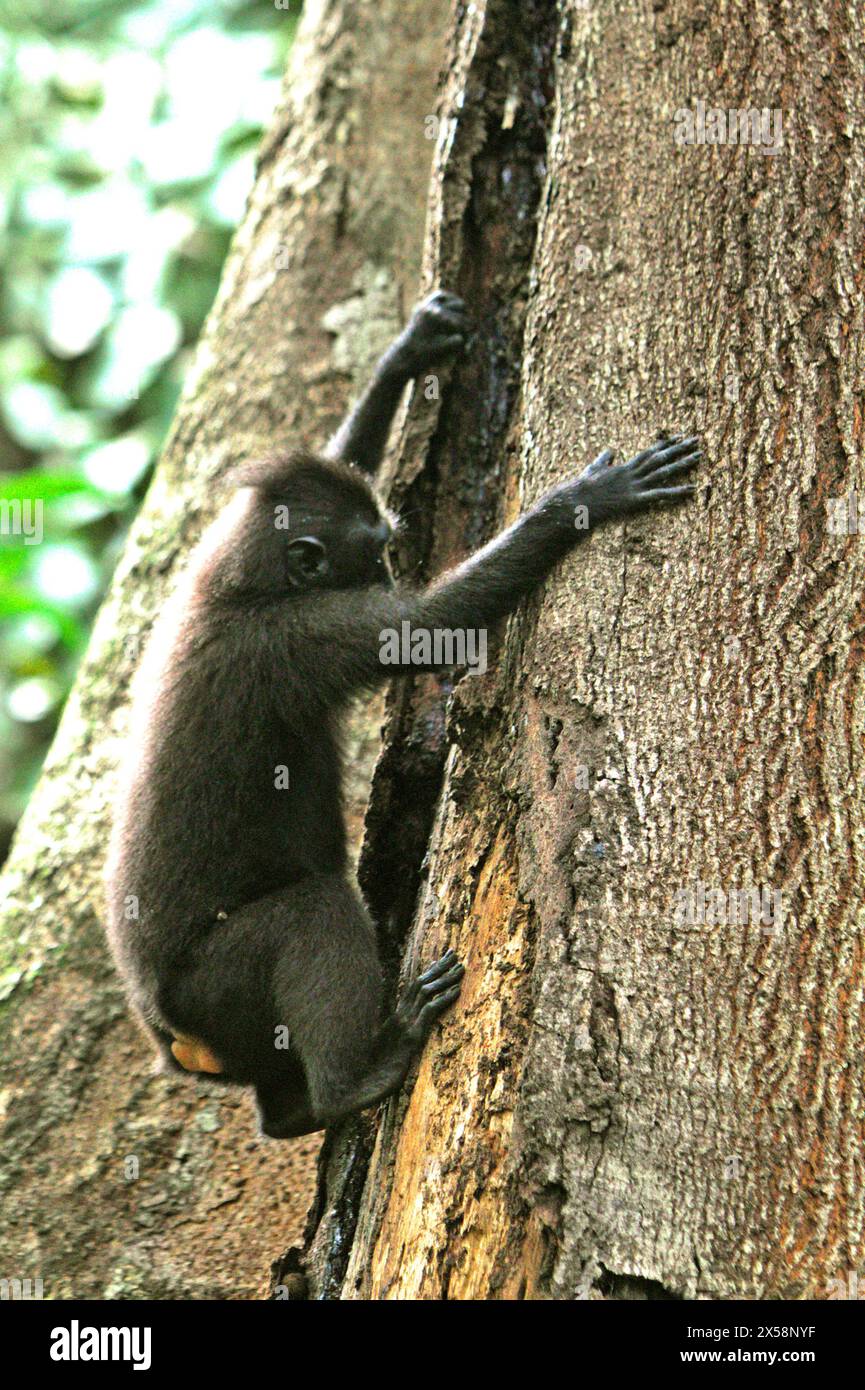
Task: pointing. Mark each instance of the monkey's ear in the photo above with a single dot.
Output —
(306, 559)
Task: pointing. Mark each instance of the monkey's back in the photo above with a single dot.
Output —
(230, 790)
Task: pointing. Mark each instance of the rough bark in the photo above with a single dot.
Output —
(333, 232)
(622, 1104)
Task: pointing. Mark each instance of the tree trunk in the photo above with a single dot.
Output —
(115, 1181)
(641, 1092)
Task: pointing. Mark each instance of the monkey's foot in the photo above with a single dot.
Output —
(429, 995)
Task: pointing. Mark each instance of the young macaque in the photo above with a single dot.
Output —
(234, 915)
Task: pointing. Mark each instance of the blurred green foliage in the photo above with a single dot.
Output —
(127, 141)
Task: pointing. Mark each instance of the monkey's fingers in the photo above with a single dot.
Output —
(646, 455)
(440, 316)
(440, 311)
(666, 453)
(601, 461)
(672, 470)
(670, 494)
(456, 317)
(442, 344)
(444, 299)
(438, 968)
(438, 328)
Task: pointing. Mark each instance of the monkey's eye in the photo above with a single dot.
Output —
(306, 560)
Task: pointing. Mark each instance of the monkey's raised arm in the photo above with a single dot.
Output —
(354, 625)
(437, 328)
(488, 586)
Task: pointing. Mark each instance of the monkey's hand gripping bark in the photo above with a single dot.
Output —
(438, 328)
(608, 490)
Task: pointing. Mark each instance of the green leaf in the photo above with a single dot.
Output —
(34, 485)
(15, 600)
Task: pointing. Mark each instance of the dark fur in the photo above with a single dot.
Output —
(247, 915)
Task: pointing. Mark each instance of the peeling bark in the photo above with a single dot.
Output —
(332, 233)
(624, 1104)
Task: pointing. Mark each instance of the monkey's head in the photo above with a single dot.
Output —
(301, 522)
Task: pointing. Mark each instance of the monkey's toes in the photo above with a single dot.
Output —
(438, 967)
(430, 1011)
(442, 982)
(430, 994)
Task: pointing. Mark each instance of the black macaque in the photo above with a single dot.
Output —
(233, 914)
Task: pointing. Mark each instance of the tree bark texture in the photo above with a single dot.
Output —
(628, 1100)
(320, 276)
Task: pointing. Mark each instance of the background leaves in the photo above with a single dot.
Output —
(127, 142)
